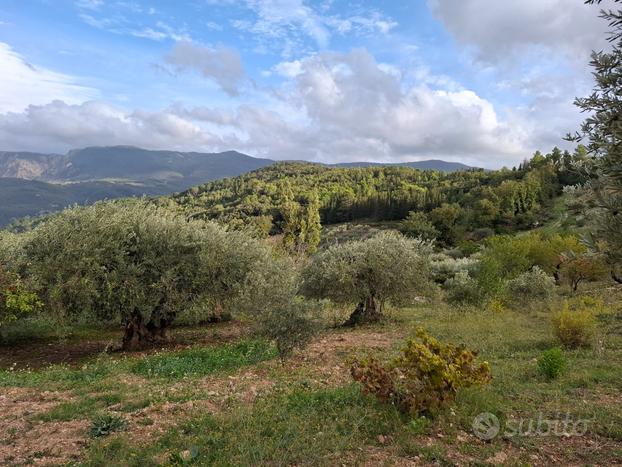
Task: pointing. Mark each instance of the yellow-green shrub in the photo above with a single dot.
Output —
(424, 377)
(574, 323)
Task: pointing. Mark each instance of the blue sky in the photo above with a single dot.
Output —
(480, 81)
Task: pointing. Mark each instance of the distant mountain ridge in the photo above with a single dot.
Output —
(36, 183)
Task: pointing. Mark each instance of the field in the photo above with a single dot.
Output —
(217, 396)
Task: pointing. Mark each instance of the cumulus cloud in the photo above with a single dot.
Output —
(497, 29)
(359, 110)
(22, 84)
(58, 126)
(222, 64)
(332, 107)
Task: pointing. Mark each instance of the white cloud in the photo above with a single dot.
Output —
(58, 126)
(223, 65)
(497, 29)
(89, 4)
(22, 84)
(331, 107)
(287, 23)
(289, 69)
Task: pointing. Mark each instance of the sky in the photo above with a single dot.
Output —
(484, 82)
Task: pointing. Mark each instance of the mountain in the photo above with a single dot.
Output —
(127, 164)
(22, 198)
(35, 183)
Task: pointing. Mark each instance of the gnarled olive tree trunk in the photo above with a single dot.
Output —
(139, 333)
(366, 312)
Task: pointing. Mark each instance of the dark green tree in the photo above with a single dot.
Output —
(602, 131)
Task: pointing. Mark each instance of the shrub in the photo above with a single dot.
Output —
(15, 300)
(581, 268)
(290, 327)
(532, 285)
(103, 425)
(551, 363)
(417, 225)
(444, 267)
(463, 289)
(574, 324)
(425, 377)
(505, 258)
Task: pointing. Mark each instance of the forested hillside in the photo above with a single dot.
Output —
(454, 203)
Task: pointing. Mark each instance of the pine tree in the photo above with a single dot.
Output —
(602, 131)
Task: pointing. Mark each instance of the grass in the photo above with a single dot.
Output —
(302, 427)
(307, 417)
(203, 361)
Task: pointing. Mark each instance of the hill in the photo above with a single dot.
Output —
(50, 182)
(454, 202)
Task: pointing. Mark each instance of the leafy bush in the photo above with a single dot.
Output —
(290, 327)
(15, 299)
(385, 268)
(505, 258)
(531, 285)
(444, 267)
(417, 225)
(551, 363)
(425, 377)
(581, 268)
(574, 324)
(463, 289)
(103, 425)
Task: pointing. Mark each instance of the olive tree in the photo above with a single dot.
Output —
(139, 264)
(369, 273)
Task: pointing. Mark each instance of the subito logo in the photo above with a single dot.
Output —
(486, 426)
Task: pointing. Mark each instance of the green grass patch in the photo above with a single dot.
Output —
(303, 427)
(201, 361)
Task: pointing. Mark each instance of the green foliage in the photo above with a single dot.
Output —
(447, 203)
(581, 268)
(601, 129)
(425, 377)
(417, 225)
(531, 285)
(504, 258)
(291, 326)
(551, 363)
(445, 267)
(135, 263)
(203, 361)
(385, 268)
(103, 425)
(463, 289)
(574, 323)
(15, 300)
(445, 220)
(300, 222)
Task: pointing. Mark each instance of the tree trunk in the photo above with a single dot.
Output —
(366, 312)
(556, 274)
(138, 334)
